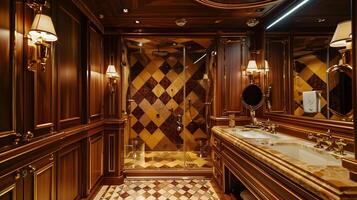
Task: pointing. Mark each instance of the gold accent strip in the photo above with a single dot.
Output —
(8, 189)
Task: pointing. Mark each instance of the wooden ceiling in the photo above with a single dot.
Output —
(214, 14)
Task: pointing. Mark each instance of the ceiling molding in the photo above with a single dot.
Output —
(235, 6)
(89, 14)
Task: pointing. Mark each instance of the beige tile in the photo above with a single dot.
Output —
(144, 120)
(171, 104)
(158, 90)
(149, 109)
(172, 75)
(138, 82)
(145, 75)
(158, 75)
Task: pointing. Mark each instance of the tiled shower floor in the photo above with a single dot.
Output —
(169, 189)
(166, 160)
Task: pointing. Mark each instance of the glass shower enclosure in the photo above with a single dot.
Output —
(168, 99)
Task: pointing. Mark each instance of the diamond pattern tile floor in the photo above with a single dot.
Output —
(162, 189)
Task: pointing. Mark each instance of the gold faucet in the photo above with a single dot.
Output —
(319, 140)
(269, 126)
(333, 143)
(329, 140)
(340, 149)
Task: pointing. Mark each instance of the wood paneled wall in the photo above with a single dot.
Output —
(230, 78)
(52, 122)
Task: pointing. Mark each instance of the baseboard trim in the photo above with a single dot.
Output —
(113, 180)
(206, 173)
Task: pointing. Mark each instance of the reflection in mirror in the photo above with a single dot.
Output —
(305, 52)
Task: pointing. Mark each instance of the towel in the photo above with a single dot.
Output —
(311, 102)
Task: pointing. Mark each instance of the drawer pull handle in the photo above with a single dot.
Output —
(32, 169)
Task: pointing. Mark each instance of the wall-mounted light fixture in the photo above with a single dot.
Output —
(113, 76)
(41, 35)
(251, 68)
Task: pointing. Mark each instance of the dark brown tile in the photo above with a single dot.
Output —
(165, 82)
(151, 127)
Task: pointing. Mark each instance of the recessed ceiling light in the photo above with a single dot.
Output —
(125, 10)
(101, 16)
(218, 21)
(137, 22)
(320, 20)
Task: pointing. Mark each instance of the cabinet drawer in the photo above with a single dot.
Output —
(215, 142)
(217, 160)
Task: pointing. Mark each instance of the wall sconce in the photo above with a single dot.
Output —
(251, 68)
(343, 38)
(41, 35)
(113, 76)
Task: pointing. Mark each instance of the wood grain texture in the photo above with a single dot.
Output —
(277, 54)
(96, 74)
(68, 65)
(69, 173)
(95, 159)
(6, 123)
(230, 79)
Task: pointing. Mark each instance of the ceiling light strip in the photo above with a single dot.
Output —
(287, 13)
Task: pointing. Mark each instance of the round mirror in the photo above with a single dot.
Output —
(340, 87)
(252, 97)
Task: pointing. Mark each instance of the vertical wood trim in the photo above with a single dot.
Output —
(354, 61)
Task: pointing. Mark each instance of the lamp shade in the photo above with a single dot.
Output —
(342, 34)
(111, 71)
(42, 28)
(252, 66)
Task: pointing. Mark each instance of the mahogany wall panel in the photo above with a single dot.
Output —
(95, 158)
(96, 74)
(68, 173)
(6, 122)
(277, 53)
(230, 79)
(69, 33)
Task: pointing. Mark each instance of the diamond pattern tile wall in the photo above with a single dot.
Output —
(157, 88)
(309, 75)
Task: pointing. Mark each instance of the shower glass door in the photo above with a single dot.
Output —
(166, 104)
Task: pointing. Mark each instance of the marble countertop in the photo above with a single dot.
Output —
(327, 181)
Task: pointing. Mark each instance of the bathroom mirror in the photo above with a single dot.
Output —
(305, 77)
(252, 97)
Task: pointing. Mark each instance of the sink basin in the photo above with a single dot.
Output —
(252, 134)
(306, 154)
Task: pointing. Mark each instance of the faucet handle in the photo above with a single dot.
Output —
(340, 146)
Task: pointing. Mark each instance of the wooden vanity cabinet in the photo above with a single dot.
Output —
(261, 180)
(217, 161)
